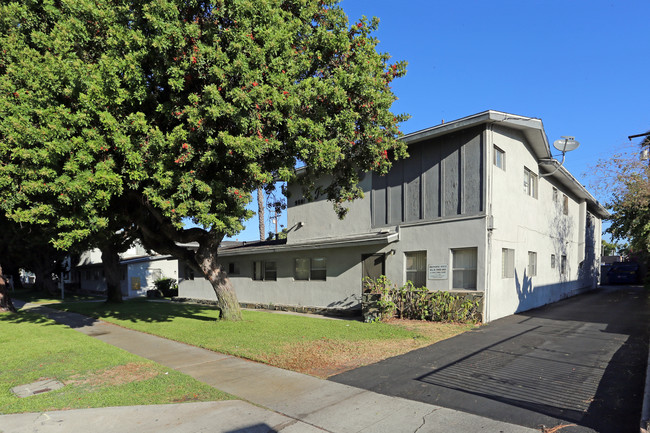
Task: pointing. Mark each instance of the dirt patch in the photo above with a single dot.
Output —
(118, 375)
(325, 357)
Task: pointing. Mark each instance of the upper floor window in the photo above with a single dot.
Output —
(556, 195)
(530, 183)
(565, 205)
(499, 158)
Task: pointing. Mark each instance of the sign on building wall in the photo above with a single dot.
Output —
(437, 272)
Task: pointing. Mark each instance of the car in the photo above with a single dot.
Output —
(623, 273)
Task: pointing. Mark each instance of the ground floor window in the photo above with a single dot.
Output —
(416, 266)
(310, 269)
(563, 264)
(464, 268)
(233, 268)
(552, 261)
(532, 263)
(507, 263)
(264, 270)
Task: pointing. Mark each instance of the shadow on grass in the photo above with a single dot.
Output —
(140, 310)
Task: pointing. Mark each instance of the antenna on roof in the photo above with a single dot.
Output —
(564, 145)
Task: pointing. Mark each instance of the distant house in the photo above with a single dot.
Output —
(139, 271)
(480, 206)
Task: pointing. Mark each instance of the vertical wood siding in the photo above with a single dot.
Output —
(442, 178)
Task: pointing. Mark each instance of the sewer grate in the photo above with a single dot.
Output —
(36, 388)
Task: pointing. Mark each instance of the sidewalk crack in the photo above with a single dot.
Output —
(424, 420)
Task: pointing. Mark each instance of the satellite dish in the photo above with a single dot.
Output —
(566, 144)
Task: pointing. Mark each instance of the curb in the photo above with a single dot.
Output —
(645, 411)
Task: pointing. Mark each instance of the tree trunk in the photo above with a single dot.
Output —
(260, 212)
(112, 272)
(206, 258)
(5, 299)
(43, 276)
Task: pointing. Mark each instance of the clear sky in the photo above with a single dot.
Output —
(583, 67)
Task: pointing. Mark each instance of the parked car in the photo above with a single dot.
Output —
(623, 273)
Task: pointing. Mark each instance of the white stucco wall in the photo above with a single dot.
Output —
(524, 223)
(147, 272)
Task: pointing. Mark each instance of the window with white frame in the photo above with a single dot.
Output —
(532, 263)
(530, 183)
(499, 158)
(264, 270)
(552, 261)
(310, 269)
(416, 267)
(507, 263)
(464, 268)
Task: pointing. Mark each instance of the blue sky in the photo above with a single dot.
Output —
(580, 66)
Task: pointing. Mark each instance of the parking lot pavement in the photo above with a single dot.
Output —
(579, 362)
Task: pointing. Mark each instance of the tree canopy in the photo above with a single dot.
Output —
(625, 178)
(145, 113)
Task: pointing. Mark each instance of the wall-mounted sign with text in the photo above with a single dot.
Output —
(437, 272)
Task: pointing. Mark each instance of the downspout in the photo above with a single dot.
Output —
(489, 222)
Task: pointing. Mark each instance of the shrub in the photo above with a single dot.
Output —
(167, 287)
(410, 302)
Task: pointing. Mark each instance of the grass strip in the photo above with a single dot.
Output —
(95, 374)
(316, 346)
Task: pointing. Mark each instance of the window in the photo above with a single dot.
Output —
(264, 271)
(552, 261)
(319, 269)
(189, 273)
(302, 269)
(464, 268)
(530, 183)
(565, 204)
(311, 269)
(416, 267)
(499, 158)
(555, 195)
(532, 263)
(233, 268)
(563, 264)
(507, 263)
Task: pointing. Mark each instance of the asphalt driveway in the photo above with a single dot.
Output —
(580, 361)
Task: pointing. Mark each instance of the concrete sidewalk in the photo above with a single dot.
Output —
(292, 402)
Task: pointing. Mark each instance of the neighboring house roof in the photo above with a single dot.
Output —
(383, 237)
(533, 131)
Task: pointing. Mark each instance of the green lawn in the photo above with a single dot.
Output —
(315, 346)
(95, 374)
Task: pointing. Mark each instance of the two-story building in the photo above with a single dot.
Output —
(480, 205)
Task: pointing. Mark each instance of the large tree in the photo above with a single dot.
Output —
(180, 109)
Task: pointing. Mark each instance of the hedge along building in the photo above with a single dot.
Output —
(480, 207)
